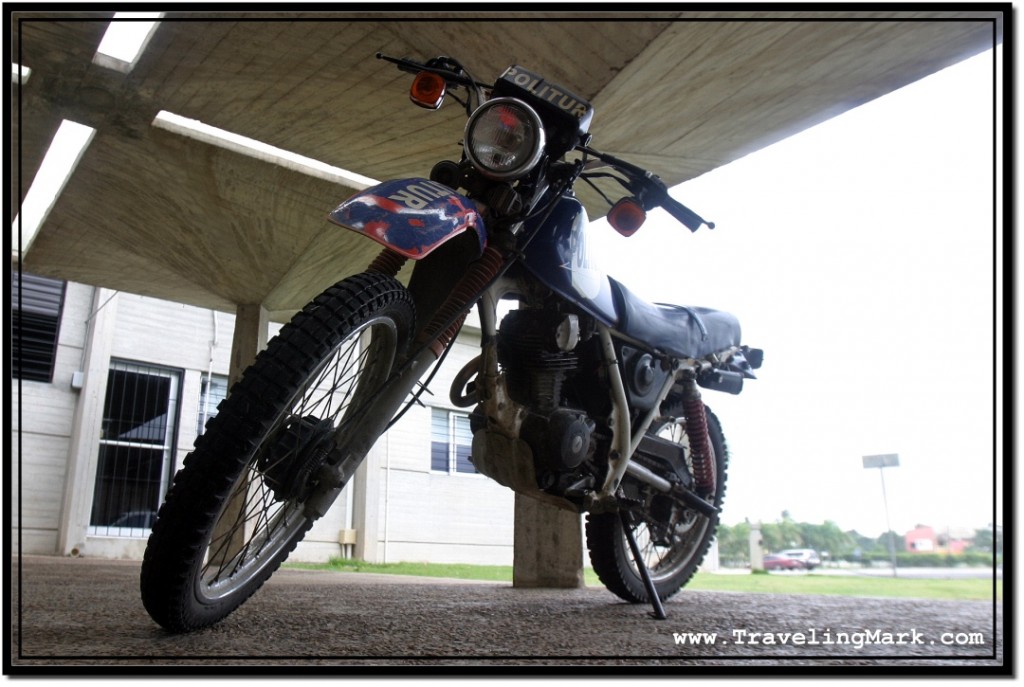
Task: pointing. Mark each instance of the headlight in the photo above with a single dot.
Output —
(504, 138)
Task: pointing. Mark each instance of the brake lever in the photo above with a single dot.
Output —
(652, 184)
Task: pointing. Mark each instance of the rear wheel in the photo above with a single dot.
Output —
(261, 473)
(672, 538)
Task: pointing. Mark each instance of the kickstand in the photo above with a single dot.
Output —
(645, 575)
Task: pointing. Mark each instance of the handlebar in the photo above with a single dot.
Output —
(432, 66)
(651, 190)
(687, 217)
(646, 186)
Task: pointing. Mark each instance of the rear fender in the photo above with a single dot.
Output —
(412, 217)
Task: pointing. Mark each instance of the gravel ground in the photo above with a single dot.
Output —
(82, 612)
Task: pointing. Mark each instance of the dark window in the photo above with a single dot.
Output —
(451, 442)
(35, 321)
(210, 396)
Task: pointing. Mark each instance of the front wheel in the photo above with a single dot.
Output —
(257, 478)
(672, 538)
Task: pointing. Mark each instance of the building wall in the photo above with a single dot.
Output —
(419, 514)
(425, 515)
(41, 424)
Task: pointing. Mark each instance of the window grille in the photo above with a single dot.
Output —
(451, 442)
(36, 304)
(210, 396)
(136, 449)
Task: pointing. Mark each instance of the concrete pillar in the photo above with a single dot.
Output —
(756, 548)
(711, 562)
(547, 546)
(86, 427)
(252, 323)
(366, 488)
(248, 339)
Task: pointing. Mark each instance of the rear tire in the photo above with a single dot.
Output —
(241, 503)
(689, 534)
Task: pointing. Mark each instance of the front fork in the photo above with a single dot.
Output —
(428, 346)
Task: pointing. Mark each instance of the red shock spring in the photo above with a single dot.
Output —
(387, 262)
(480, 272)
(700, 444)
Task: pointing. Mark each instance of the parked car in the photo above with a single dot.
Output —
(808, 558)
(774, 561)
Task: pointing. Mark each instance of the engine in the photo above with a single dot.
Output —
(536, 351)
(540, 353)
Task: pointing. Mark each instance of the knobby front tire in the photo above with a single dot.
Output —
(240, 504)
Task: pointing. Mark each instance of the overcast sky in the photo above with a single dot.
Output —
(859, 256)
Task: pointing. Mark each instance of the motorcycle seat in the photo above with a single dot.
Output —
(682, 331)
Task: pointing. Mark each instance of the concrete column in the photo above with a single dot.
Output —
(86, 427)
(756, 548)
(248, 339)
(547, 546)
(366, 489)
(252, 323)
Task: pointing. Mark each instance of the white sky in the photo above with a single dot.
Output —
(859, 256)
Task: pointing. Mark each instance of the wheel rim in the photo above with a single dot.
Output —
(265, 509)
(685, 532)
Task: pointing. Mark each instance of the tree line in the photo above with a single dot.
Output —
(834, 544)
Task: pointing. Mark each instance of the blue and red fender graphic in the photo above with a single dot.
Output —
(410, 216)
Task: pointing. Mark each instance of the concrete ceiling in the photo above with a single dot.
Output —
(152, 212)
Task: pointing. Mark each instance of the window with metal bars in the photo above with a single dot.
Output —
(36, 304)
(136, 449)
(451, 442)
(214, 390)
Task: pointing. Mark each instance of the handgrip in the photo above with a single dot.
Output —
(690, 219)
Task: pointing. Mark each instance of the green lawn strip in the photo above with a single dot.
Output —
(459, 571)
(963, 589)
(841, 585)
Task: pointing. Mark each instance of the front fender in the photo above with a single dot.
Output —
(410, 216)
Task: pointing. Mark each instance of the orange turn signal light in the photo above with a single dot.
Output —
(427, 90)
(626, 216)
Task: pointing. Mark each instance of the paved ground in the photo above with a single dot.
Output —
(81, 612)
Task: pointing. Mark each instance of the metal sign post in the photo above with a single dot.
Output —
(881, 462)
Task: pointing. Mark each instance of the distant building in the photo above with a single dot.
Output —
(923, 539)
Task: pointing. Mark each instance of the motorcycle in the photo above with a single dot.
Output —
(585, 396)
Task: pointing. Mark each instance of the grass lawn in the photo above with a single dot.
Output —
(958, 589)
(843, 585)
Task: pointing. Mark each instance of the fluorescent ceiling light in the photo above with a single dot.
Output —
(66, 149)
(20, 73)
(195, 129)
(125, 39)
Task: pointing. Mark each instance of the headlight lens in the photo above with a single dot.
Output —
(504, 138)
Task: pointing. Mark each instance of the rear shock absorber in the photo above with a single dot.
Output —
(701, 455)
(478, 275)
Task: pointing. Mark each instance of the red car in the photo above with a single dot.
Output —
(776, 562)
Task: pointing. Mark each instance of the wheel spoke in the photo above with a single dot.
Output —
(261, 522)
(668, 546)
